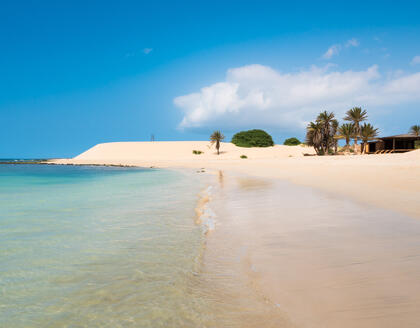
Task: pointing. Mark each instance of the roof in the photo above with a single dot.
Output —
(402, 136)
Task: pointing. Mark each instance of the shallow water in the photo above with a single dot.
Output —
(96, 246)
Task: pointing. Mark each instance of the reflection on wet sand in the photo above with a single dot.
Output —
(320, 260)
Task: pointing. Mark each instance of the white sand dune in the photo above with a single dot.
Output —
(175, 151)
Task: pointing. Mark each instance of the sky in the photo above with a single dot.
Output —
(77, 73)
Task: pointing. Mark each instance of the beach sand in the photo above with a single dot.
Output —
(322, 260)
(390, 181)
(331, 241)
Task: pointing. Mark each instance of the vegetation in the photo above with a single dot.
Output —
(197, 152)
(367, 132)
(252, 138)
(356, 115)
(216, 138)
(320, 134)
(415, 129)
(292, 142)
(244, 156)
(324, 133)
(334, 127)
(346, 131)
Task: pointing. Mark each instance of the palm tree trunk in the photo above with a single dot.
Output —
(355, 145)
(217, 146)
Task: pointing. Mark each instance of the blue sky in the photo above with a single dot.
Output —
(77, 73)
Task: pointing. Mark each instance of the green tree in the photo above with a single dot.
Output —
(328, 122)
(217, 137)
(356, 115)
(367, 132)
(346, 131)
(292, 142)
(415, 129)
(333, 139)
(314, 136)
(252, 138)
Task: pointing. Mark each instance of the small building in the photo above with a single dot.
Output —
(394, 144)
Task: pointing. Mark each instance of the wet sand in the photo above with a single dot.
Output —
(319, 259)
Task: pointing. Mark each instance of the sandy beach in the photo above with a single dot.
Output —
(329, 241)
(389, 181)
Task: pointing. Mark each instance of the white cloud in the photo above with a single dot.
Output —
(352, 43)
(259, 96)
(416, 60)
(336, 48)
(147, 51)
(332, 51)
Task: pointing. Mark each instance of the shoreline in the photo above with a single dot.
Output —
(388, 181)
(365, 199)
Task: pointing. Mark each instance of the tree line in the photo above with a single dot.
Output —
(323, 134)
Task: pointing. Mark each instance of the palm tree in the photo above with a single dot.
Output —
(326, 119)
(367, 132)
(333, 140)
(356, 115)
(346, 131)
(314, 136)
(415, 129)
(217, 137)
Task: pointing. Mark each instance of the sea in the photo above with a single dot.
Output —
(88, 246)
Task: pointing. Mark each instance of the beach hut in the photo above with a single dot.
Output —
(393, 144)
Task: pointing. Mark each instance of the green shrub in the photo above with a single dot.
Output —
(417, 144)
(197, 152)
(252, 138)
(244, 156)
(292, 142)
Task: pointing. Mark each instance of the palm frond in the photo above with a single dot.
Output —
(415, 129)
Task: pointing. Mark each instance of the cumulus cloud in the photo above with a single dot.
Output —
(415, 60)
(257, 95)
(147, 51)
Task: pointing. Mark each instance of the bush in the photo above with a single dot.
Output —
(252, 138)
(292, 142)
(244, 156)
(417, 144)
(197, 152)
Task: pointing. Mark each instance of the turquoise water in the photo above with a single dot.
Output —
(99, 247)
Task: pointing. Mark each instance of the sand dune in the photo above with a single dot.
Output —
(182, 150)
